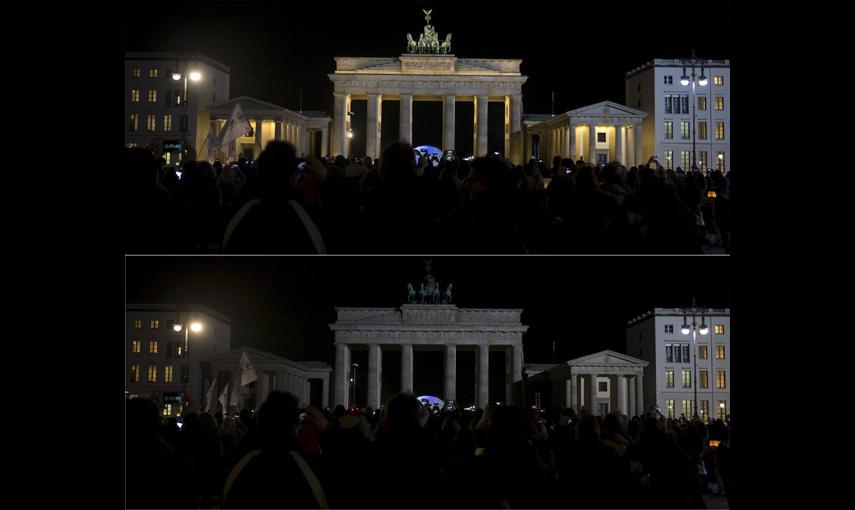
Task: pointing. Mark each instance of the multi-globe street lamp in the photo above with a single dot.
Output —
(701, 80)
(193, 76)
(694, 329)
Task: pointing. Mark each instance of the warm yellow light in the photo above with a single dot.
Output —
(196, 327)
(176, 76)
(195, 75)
(177, 327)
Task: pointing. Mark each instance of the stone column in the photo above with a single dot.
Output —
(483, 375)
(405, 129)
(375, 357)
(258, 141)
(342, 366)
(592, 143)
(593, 406)
(518, 362)
(630, 147)
(568, 392)
(573, 392)
(448, 103)
(639, 157)
(566, 152)
(621, 396)
(639, 393)
(619, 144)
(516, 130)
(507, 152)
(307, 391)
(372, 131)
(277, 130)
(325, 390)
(632, 407)
(581, 393)
(481, 126)
(451, 372)
(509, 375)
(339, 142)
(325, 142)
(572, 148)
(407, 368)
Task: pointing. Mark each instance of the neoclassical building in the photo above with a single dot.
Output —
(427, 322)
(307, 131)
(600, 132)
(428, 72)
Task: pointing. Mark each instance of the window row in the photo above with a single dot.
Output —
(152, 373)
(152, 73)
(703, 378)
(717, 80)
(173, 349)
(172, 97)
(703, 162)
(719, 328)
(703, 409)
(151, 124)
(152, 324)
(702, 130)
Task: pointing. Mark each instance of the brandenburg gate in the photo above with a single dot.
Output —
(428, 72)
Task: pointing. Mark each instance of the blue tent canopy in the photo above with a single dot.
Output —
(432, 400)
(430, 150)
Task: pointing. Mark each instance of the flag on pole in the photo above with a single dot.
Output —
(234, 399)
(209, 398)
(247, 370)
(237, 126)
(210, 141)
(224, 398)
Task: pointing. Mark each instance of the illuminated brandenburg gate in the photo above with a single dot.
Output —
(428, 72)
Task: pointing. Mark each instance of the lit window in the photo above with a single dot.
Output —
(669, 377)
(135, 346)
(703, 159)
(152, 73)
(135, 122)
(669, 159)
(719, 161)
(703, 351)
(669, 408)
(704, 410)
(687, 378)
(719, 130)
(687, 408)
(137, 324)
(718, 80)
(154, 324)
(722, 409)
(704, 377)
(719, 352)
(135, 95)
(185, 373)
(151, 123)
(152, 347)
(684, 130)
(719, 103)
(702, 103)
(719, 329)
(167, 123)
(135, 373)
(685, 157)
(167, 409)
(720, 379)
(669, 129)
(167, 373)
(135, 72)
(152, 373)
(152, 96)
(702, 130)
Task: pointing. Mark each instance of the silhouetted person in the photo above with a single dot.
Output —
(151, 470)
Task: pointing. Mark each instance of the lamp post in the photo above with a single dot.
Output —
(194, 76)
(701, 80)
(177, 327)
(695, 328)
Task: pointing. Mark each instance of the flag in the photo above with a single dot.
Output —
(209, 398)
(247, 370)
(237, 126)
(234, 399)
(224, 398)
(210, 140)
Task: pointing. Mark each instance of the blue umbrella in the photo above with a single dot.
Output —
(432, 400)
(430, 149)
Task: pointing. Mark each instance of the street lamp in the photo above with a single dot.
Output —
(695, 328)
(177, 327)
(701, 80)
(194, 76)
(353, 380)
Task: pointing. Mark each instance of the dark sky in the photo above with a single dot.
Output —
(581, 50)
(583, 303)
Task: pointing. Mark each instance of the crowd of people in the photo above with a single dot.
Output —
(406, 202)
(408, 455)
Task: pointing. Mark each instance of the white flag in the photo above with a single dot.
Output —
(224, 399)
(210, 141)
(209, 398)
(234, 399)
(247, 370)
(237, 126)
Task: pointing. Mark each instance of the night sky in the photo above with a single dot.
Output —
(278, 303)
(580, 50)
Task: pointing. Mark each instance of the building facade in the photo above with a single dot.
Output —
(168, 366)
(656, 338)
(168, 115)
(599, 383)
(655, 88)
